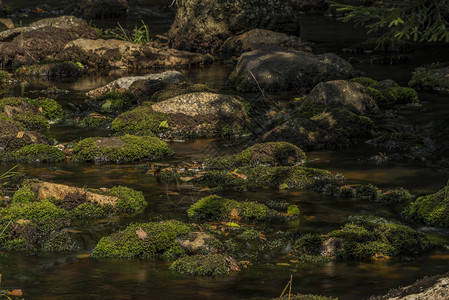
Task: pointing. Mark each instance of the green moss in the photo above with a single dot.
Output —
(59, 241)
(367, 82)
(202, 265)
(142, 120)
(121, 149)
(399, 195)
(111, 102)
(273, 154)
(51, 109)
(130, 201)
(309, 244)
(363, 240)
(88, 211)
(4, 79)
(24, 195)
(400, 142)
(432, 209)
(153, 239)
(26, 114)
(39, 153)
(401, 95)
(424, 79)
(367, 191)
(176, 89)
(216, 208)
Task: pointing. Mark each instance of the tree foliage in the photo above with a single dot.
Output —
(406, 20)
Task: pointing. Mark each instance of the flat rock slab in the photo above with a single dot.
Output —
(61, 191)
(123, 84)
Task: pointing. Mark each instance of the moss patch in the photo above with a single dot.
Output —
(38, 153)
(142, 120)
(432, 209)
(121, 149)
(141, 240)
(112, 102)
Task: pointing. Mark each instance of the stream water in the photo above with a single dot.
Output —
(76, 276)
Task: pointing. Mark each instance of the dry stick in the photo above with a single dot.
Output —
(291, 283)
(258, 85)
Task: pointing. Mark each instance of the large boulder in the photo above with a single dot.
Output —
(40, 40)
(123, 84)
(124, 54)
(13, 137)
(203, 25)
(262, 39)
(200, 114)
(344, 93)
(283, 70)
(92, 9)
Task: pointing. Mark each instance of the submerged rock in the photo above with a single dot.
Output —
(126, 148)
(203, 25)
(285, 70)
(92, 9)
(124, 84)
(41, 39)
(124, 54)
(261, 39)
(431, 79)
(204, 265)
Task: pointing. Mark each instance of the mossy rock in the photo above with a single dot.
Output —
(86, 203)
(283, 177)
(126, 148)
(366, 81)
(112, 102)
(14, 136)
(202, 265)
(364, 239)
(38, 153)
(215, 208)
(399, 195)
(431, 79)
(432, 209)
(57, 69)
(141, 240)
(142, 120)
(271, 154)
(31, 114)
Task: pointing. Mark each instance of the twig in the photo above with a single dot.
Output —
(258, 85)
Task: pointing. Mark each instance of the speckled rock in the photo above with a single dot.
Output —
(283, 70)
(123, 84)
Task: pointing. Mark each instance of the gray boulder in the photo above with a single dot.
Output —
(284, 70)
